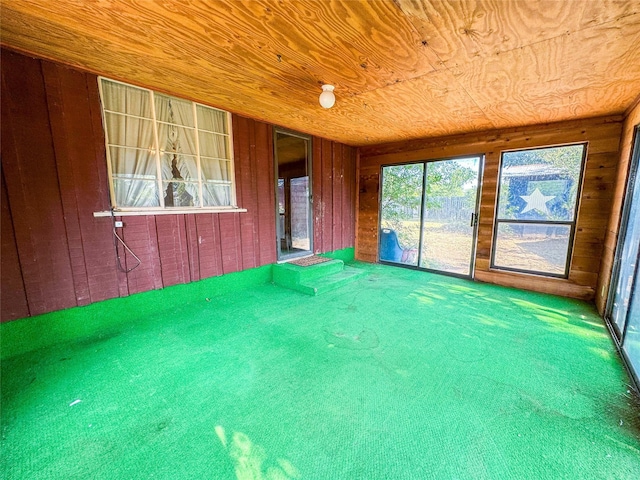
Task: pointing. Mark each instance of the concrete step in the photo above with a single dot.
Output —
(315, 279)
(332, 281)
(286, 274)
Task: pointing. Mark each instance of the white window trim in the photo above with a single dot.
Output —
(166, 211)
(162, 210)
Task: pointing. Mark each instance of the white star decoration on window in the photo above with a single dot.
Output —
(537, 201)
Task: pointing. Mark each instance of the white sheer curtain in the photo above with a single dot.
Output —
(131, 141)
(176, 134)
(214, 157)
(125, 99)
(131, 145)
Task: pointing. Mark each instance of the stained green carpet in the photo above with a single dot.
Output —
(400, 375)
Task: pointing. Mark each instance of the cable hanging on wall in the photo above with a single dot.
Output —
(116, 239)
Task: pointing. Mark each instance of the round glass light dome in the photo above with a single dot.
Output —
(327, 97)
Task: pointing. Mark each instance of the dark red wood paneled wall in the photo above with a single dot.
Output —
(334, 195)
(56, 254)
(14, 297)
(29, 169)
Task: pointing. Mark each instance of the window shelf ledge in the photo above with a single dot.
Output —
(168, 211)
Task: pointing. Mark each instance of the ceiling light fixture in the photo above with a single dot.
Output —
(327, 98)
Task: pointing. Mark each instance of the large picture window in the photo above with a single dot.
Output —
(164, 152)
(536, 211)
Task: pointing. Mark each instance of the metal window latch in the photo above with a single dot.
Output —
(474, 220)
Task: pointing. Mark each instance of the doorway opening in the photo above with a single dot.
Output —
(292, 153)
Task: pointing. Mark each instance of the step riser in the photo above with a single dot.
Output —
(321, 270)
(328, 284)
(315, 279)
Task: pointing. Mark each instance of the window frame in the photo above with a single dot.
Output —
(161, 209)
(572, 224)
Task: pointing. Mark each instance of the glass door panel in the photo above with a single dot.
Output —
(300, 221)
(450, 215)
(623, 307)
(626, 259)
(400, 205)
(628, 265)
(292, 154)
(631, 343)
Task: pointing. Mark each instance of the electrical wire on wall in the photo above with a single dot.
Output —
(116, 239)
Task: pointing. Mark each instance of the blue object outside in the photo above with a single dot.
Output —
(390, 249)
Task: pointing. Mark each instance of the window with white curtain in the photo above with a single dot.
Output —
(165, 152)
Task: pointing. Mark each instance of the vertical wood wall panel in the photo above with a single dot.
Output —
(326, 202)
(346, 192)
(172, 249)
(338, 178)
(206, 242)
(601, 134)
(251, 195)
(243, 153)
(29, 166)
(119, 251)
(264, 176)
(83, 183)
(93, 187)
(54, 165)
(348, 198)
(65, 172)
(334, 175)
(318, 196)
(349, 240)
(369, 184)
(140, 234)
(230, 247)
(184, 273)
(193, 247)
(14, 298)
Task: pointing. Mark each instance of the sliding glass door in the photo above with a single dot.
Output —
(631, 342)
(450, 215)
(623, 308)
(429, 214)
(627, 265)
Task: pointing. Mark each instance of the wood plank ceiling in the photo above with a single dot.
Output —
(402, 69)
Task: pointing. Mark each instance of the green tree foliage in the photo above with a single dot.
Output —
(402, 193)
(448, 179)
(564, 162)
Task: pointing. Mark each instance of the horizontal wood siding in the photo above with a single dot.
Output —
(613, 229)
(56, 254)
(603, 138)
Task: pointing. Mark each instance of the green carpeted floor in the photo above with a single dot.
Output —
(400, 375)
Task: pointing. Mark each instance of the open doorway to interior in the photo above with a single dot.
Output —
(292, 153)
